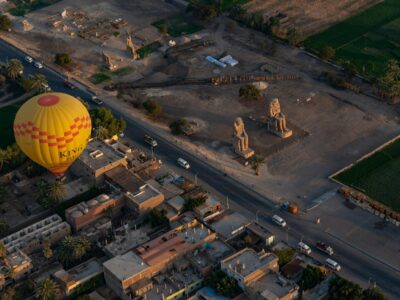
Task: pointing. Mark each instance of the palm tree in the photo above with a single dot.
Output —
(101, 133)
(73, 248)
(3, 250)
(4, 157)
(38, 82)
(47, 289)
(56, 191)
(14, 68)
(256, 163)
(47, 252)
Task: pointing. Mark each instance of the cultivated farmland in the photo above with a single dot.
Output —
(377, 176)
(368, 39)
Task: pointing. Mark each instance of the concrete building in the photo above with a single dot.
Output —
(95, 160)
(272, 286)
(140, 196)
(261, 232)
(147, 260)
(14, 267)
(247, 266)
(86, 213)
(209, 208)
(73, 278)
(229, 224)
(176, 203)
(30, 238)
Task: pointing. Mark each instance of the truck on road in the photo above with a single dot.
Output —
(324, 248)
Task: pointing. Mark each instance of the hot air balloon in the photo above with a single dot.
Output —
(52, 129)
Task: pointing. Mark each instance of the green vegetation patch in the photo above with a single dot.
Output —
(177, 26)
(7, 116)
(148, 49)
(100, 77)
(378, 176)
(23, 7)
(123, 71)
(368, 39)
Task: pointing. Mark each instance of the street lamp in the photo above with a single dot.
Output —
(195, 178)
(257, 215)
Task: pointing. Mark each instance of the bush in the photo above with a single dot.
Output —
(153, 108)
(285, 256)
(104, 118)
(192, 203)
(5, 23)
(63, 59)
(180, 126)
(249, 92)
(340, 288)
(311, 277)
(328, 53)
(157, 217)
(223, 284)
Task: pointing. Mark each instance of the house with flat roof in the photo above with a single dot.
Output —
(71, 279)
(247, 265)
(228, 224)
(209, 208)
(14, 267)
(150, 258)
(95, 160)
(30, 238)
(88, 212)
(272, 286)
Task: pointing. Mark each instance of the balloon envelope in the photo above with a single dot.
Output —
(52, 129)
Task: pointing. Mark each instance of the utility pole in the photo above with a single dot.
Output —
(195, 178)
(227, 202)
(257, 215)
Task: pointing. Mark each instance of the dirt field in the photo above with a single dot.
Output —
(311, 17)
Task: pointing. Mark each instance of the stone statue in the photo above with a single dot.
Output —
(276, 120)
(241, 139)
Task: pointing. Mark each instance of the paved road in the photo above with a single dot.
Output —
(356, 264)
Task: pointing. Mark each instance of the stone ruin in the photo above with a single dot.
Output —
(241, 139)
(130, 47)
(107, 61)
(276, 120)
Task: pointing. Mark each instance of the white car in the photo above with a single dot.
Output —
(183, 163)
(38, 65)
(332, 264)
(278, 220)
(29, 59)
(97, 100)
(304, 248)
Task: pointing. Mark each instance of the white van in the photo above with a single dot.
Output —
(183, 163)
(304, 248)
(278, 220)
(332, 264)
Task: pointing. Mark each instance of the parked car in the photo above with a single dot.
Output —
(304, 248)
(46, 87)
(69, 84)
(324, 248)
(38, 65)
(29, 59)
(149, 140)
(97, 100)
(278, 220)
(330, 263)
(183, 163)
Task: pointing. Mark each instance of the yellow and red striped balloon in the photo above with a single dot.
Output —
(52, 129)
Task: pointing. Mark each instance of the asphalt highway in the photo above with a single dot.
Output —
(356, 264)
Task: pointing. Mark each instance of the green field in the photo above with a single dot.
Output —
(368, 39)
(7, 115)
(178, 26)
(378, 176)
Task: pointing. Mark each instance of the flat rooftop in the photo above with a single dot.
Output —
(97, 155)
(229, 224)
(126, 265)
(170, 243)
(126, 239)
(126, 180)
(259, 230)
(144, 193)
(273, 286)
(83, 271)
(210, 253)
(247, 261)
(81, 208)
(17, 258)
(177, 203)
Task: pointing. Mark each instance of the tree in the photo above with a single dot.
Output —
(103, 117)
(285, 256)
(389, 83)
(3, 250)
(164, 27)
(249, 92)
(73, 248)
(157, 217)
(14, 68)
(47, 252)
(256, 163)
(294, 37)
(340, 288)
(47, 289)
(11, 158)
(5, 23)
(311, 277)
(63, 59)
(37, 83)
(192, 203)
(223, 284)
(101, 133)
(373, 293)
(153, 108)
(4, 157)
(328, 53)
(179, 126)
(7, 294)
(349, 69)
(51, 194)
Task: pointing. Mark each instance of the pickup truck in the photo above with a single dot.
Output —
(149, 140)
(324, 248)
